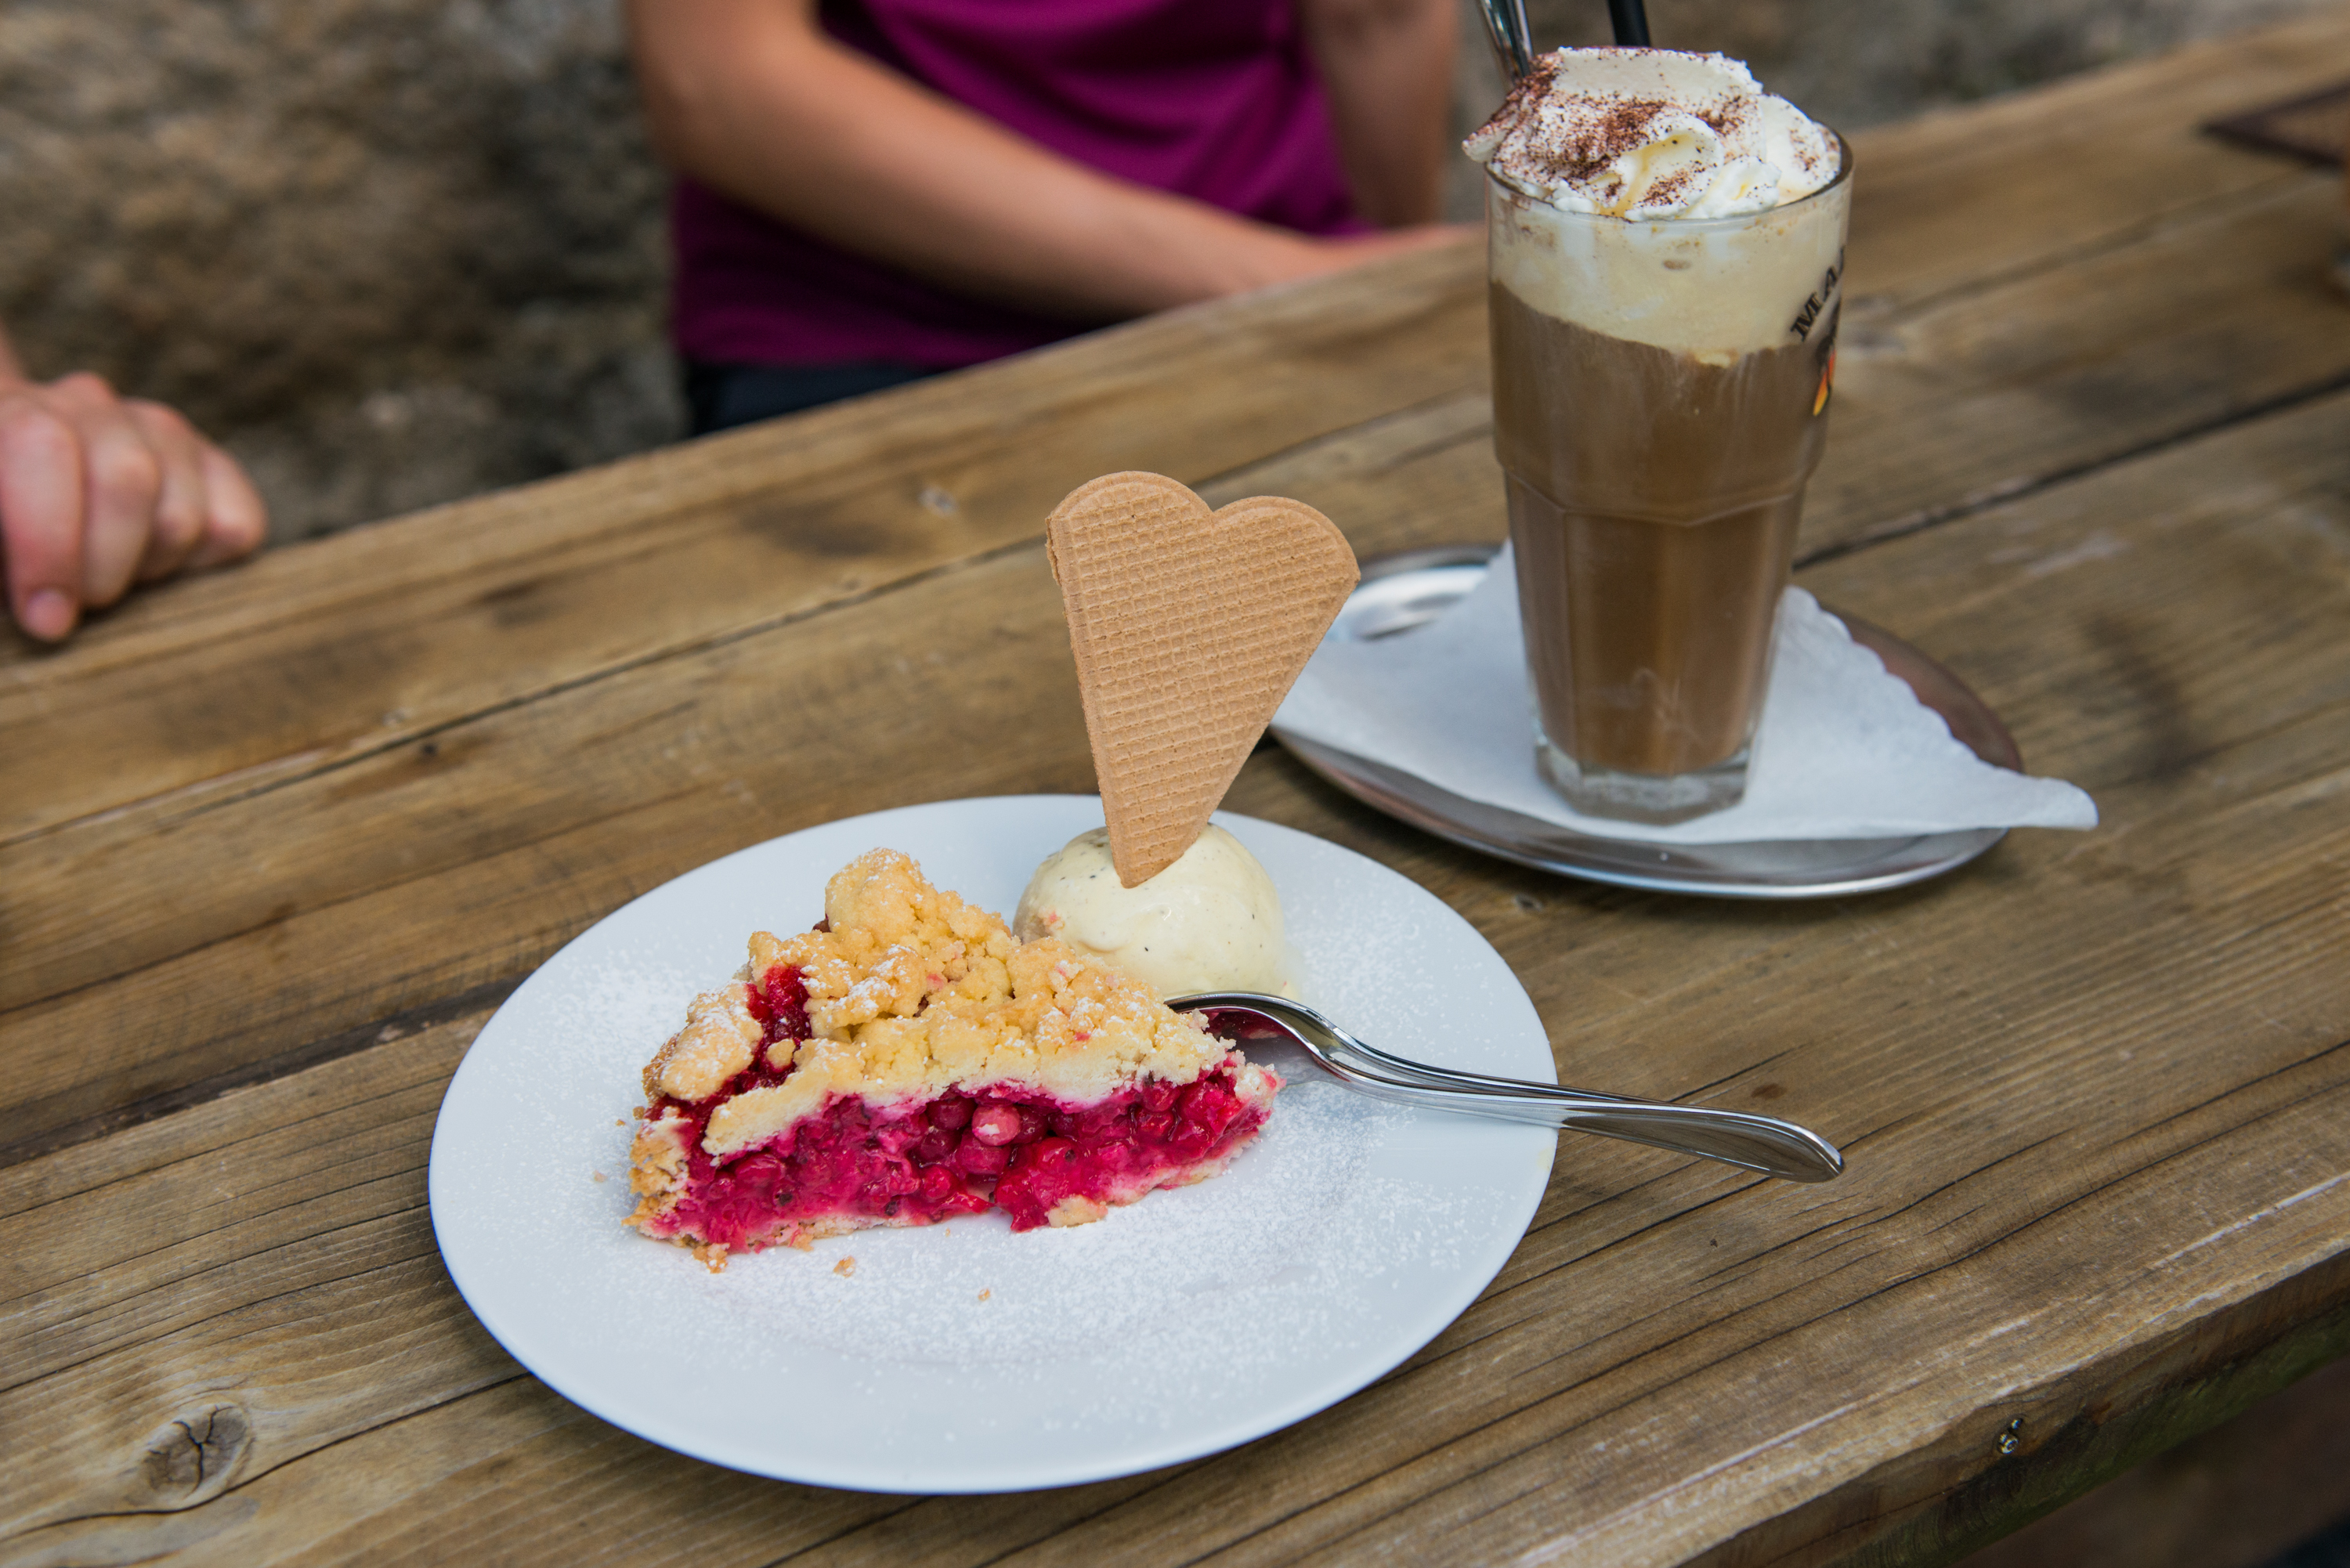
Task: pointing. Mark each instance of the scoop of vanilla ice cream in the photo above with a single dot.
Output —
(1211, 921)
(1648, 134)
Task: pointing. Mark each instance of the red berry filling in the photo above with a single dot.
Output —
(959, 1154)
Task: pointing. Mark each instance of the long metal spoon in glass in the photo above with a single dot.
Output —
(1505, 28)
(1513, 41)
(1758, 1143)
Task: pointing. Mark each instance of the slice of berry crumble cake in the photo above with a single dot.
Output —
(906, 1061)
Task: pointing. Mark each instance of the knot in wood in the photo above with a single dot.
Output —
(189, 1458)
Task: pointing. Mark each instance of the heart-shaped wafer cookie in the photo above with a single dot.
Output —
(1189, 626)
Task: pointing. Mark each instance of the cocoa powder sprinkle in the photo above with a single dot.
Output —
(1618, 132)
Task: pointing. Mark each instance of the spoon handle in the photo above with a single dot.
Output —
(1505, 26)
(1758, 1143)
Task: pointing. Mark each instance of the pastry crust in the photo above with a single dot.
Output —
(911, 991)
(907, 994)
(719, 1036)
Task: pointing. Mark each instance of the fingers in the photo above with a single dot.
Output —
(207, 513)
(181, 504)
(40, 515)
(97, 492)
(122, 479)
(235, 521)
(1401, 242)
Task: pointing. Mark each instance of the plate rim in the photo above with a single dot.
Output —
(496, 1319)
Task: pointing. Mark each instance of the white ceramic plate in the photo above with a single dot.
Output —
(964, 1358)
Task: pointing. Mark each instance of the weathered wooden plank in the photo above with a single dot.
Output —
(1950, 403)
(371, 641)
(1987, 393)
(319, 1178)
(1625, 1271)
(2094, 1089)
(500, 837)
(269, 1284)
(142, 890)
(342, 648)
(1959, 1504)
(194, 1245)
(1404, 480)
(2166, 633)
(1959, 197)
(2237, 1495)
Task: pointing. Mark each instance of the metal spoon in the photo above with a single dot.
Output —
(1505, 26)
(1758, 1143)
(1513, 40)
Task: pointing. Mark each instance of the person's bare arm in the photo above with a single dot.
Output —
(97, 492)
(1387, 66)
(754, 98)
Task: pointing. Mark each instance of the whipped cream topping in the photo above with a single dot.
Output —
(1649, 134)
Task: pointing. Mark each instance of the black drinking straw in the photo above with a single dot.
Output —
(1631, 20)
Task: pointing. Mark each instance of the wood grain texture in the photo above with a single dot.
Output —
(322, 653)
(262, 867)
(304, 824)
(2032, 180)
(247, 930)
(347, 647)
(2095, 1089)
(1949, 404)
(2236, 1496)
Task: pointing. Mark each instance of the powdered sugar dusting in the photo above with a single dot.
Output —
(963, 1357)
(1276, 1230)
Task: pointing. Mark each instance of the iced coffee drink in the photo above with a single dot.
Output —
(1666, 241)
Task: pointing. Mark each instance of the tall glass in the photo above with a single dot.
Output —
(1660, 394)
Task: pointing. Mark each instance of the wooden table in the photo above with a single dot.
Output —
(274, 843)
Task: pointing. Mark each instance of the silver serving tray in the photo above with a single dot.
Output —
(1402, 591)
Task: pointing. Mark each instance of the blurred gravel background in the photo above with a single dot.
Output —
(397, 252)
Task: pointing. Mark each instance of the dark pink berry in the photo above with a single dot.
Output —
(995, 1125)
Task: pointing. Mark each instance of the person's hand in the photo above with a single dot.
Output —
(1357, 249)
(98, 492)
(1282, 257)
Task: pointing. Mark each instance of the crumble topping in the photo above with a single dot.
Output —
(911, 991)
(719, 1036)
(919, 1064)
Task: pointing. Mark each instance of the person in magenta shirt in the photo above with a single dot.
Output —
(871, 191)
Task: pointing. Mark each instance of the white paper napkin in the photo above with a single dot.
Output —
(1844, 750)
